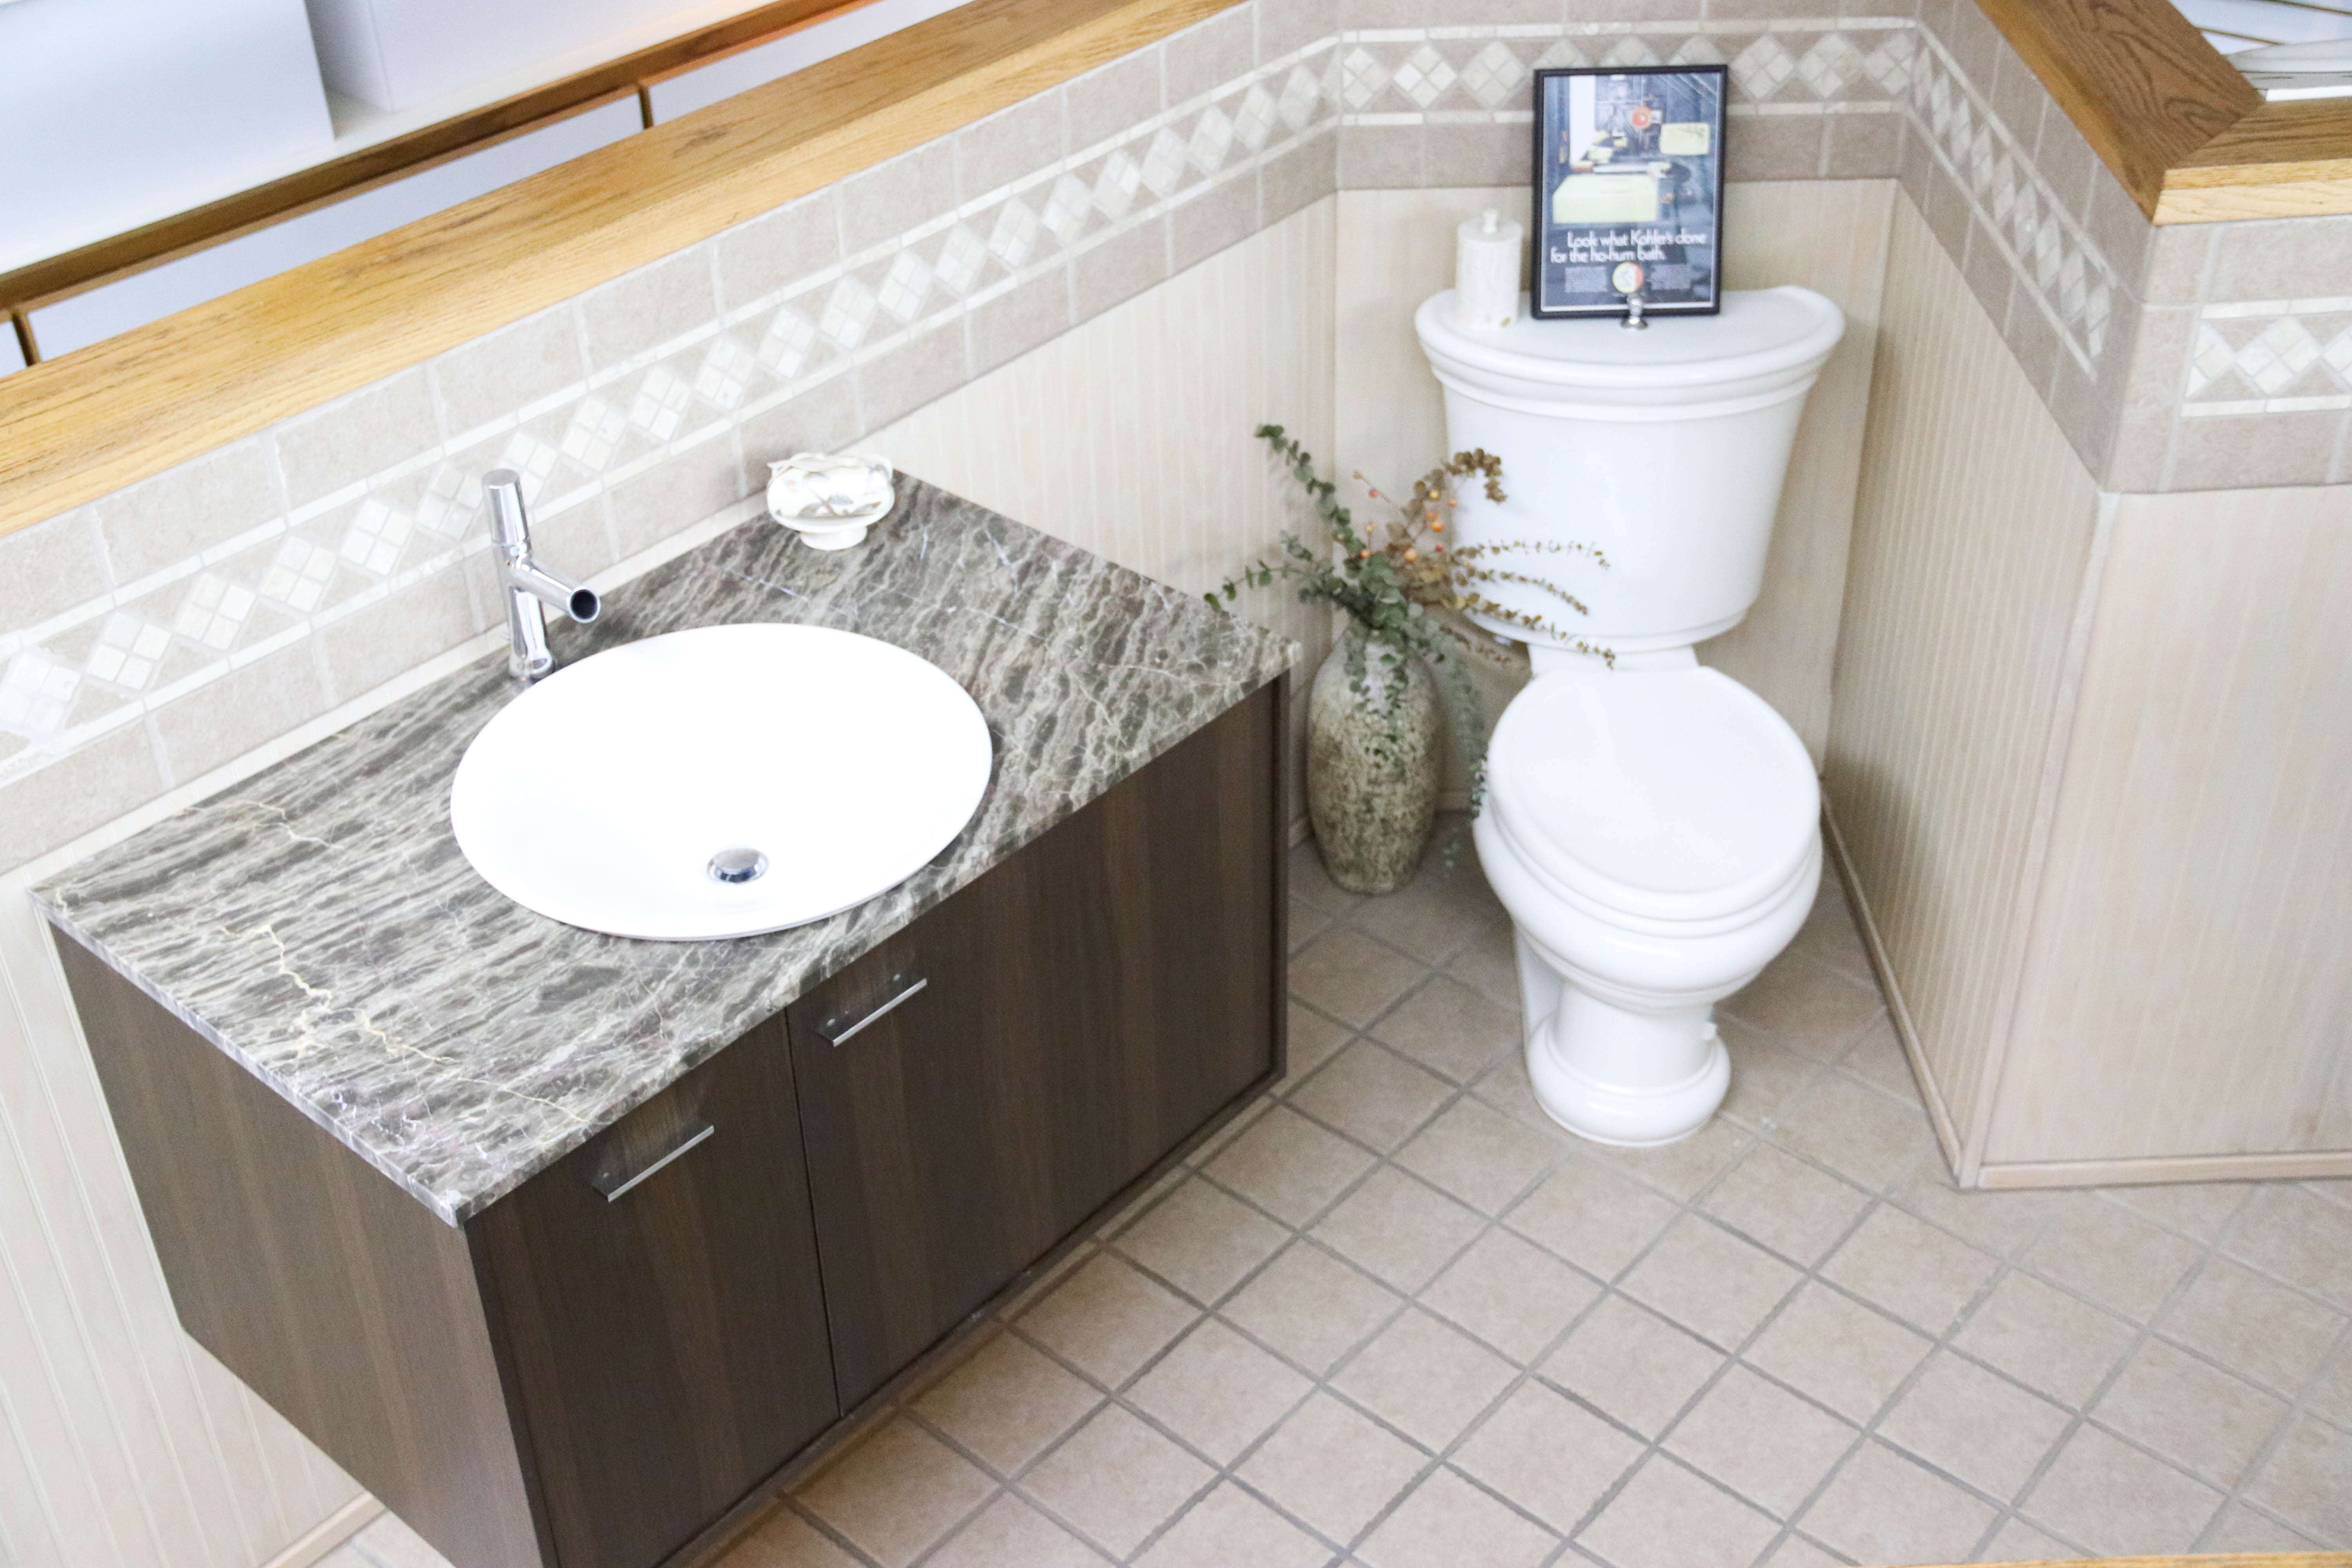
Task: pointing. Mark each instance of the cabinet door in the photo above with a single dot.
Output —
(973, 1089)
(655, 1298)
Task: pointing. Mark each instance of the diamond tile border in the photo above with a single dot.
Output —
(2272, 352)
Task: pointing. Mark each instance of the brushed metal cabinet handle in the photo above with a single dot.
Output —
(839, 1033)
(616, 1187)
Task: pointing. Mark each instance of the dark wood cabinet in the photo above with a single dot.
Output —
(632, 1347)
(976, 1087)
(655, 1298)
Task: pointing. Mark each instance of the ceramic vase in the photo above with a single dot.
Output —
(1373, 775)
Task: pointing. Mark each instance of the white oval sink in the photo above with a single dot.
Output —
(818, 766)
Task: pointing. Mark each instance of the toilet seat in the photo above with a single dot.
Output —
(1673, 801)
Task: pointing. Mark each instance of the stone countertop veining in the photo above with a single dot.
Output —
(319, 924)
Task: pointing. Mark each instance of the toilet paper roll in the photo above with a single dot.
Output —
(1487, 272)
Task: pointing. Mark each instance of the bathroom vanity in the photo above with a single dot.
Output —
(566, 1246)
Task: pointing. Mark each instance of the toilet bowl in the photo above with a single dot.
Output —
(1651, 825)
(1655, 837)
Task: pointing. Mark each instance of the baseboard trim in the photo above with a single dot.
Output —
(2318, 1166)
(329, 1533)
(1939, 1116)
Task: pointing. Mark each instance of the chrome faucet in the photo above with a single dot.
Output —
(529, 587)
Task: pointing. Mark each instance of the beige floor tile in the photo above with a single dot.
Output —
(1830, 935)
(1333, 1467)
(2197, 1209)
(1424, 1377)
(1717, 1285)
(1487, 966)
(2255, 1327)
(1008, 1403)
(1510, 1293)
(1399, 1230)
(1230, 1528)
(1440, 910)
(1882, 1506)
(1353, 978)
(1372, 1094)
(2330, 1394)
(1009, 1531)
(1450, 1028)
(1209, 1148)
(1761, 1441)
(1478, 1154)
(2117, 1501)
(1976, 1425)
(1117, 1480)
(1794, 1209)
(1877, 1056)
(1310, 880)
(1202, 1240)
(1505, 1087)
(1666, 1517)
(784, 1539)
(1809, 1004)
(1838, 1352)
(1310, 1307)
(1107, 1319)
(2200, 1418)
(1288, 1166)
(1911, 1268)
(2018, 1542)
(2000, 1223)
(1766, 1074)
(1861, 1133)
(2045, 1339)
(1593, 1217)
(1633, 1363)
(1445, 1522)
(1314, 1040)
(898, 1492)
(1796, 1551)
(1307, 922)
(1549, 1455)
(1217, 1390)
(2304, 1481)
(1681, 1168)
(2112, 1256)
(2299, 1236)
(2241, 1529)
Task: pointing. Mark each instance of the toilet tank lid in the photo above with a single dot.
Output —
(1757, 331)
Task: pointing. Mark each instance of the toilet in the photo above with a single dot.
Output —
(1651, 825)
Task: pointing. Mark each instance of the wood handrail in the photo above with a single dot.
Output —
(123, 255)
(84, 425)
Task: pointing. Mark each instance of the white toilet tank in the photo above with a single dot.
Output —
(1664, 447)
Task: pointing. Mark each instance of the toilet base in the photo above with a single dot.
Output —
(1614, 1075)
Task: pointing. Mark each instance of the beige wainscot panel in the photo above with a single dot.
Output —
(1131, 435)
(2188, 987)
(1396, 248)
(1971, 538)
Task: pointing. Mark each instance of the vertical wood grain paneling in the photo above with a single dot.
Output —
(1131, 436)
(1973, 530)
(2188, 989)
(1396, 248)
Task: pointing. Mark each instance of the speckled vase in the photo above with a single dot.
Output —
(1372, 791)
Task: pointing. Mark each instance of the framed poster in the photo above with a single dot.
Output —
(1629, 190)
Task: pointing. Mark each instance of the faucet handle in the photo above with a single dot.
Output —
(509, 526)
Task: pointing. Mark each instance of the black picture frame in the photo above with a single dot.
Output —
(1649, 163)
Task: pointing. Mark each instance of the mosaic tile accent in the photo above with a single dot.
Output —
(2271, 356)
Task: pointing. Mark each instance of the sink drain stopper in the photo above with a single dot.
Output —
(738, 866)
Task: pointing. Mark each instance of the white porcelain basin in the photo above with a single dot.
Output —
(818, 766)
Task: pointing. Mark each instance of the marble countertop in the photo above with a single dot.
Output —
(319, 924)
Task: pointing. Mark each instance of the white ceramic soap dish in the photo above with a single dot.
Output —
(831, 498)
